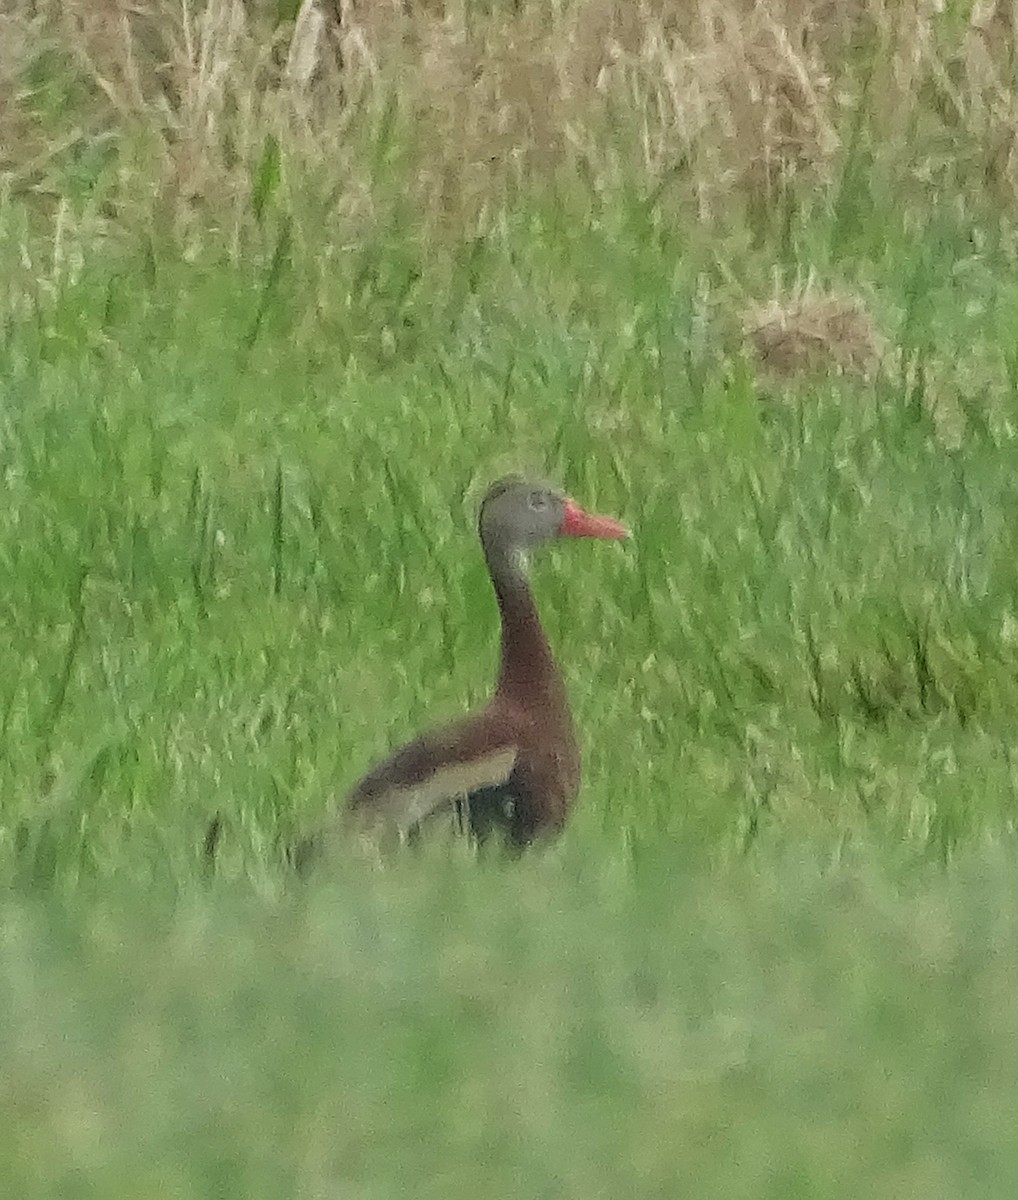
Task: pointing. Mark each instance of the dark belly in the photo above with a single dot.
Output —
(503, 813)
(491, 811)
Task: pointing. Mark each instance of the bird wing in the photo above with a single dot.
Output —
(431, 772)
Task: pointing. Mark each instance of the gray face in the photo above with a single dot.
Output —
(518, 515)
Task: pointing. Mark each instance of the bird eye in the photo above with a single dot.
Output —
(538, 501)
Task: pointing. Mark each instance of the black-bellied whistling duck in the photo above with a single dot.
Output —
(514, 766)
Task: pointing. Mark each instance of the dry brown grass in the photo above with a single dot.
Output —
(809, 331)
(727, 98)
(732, 94)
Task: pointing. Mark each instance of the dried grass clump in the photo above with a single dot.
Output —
(210, 108)
(760, 97)
(192, 77)
(21, 142)
(812, 332)
(979, 95)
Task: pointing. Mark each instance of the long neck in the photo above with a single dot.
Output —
(527, 670)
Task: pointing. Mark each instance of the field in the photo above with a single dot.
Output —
(277, 299)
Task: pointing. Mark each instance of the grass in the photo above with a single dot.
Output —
(260, 356)
(596, 1028)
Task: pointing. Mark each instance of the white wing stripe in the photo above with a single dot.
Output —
(404, 807)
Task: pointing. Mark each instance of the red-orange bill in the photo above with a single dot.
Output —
(577, 523)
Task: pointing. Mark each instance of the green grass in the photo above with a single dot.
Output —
(773, 955)
(236, 570)
(592, 1027)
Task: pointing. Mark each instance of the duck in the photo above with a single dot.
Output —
(511, 769)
